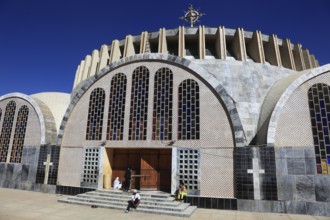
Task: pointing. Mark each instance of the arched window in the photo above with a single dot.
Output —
(188, 111)
(6, 130)
(139, 104)
(95, 115)
(116, 113)
(0, 113)
(19, 135)
(162, 107)
(319, 108)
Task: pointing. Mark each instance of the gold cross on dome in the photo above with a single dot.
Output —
(192, 15)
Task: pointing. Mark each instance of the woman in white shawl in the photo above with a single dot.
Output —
(116, 183)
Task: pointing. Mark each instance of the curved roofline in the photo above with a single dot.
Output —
(285, 97)
(203, 42)
(200, 72)
(36, 108)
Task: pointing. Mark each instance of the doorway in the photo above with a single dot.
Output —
(151, 168)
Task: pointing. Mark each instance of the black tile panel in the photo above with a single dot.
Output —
(212, 203)
(70, 190)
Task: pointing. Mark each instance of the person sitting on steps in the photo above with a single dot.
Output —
(182, 192)
(134, 202)
(116, 183)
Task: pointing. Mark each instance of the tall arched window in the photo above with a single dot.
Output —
(162, 107)
(116, 113)
(139, 104)
(188, 111)
(95, 115)
(0, 113)
(319, 107)
(19, 135)
(6, 130)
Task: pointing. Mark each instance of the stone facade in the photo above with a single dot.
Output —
(263, 134)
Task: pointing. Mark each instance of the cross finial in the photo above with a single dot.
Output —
(192, 15)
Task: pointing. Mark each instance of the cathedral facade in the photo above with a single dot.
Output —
(240, 117)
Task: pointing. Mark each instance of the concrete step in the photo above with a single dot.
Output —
(145, 194)
(187, 212)
(179, 207)
(151, 202)
(128, 196)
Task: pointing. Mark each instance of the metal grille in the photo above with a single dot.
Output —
(188, 112)
(163, 104)
(91, 163)
(6, 130)
(22, 118)
(95, 115)
(319, 107)
(188, 169)
(116, 113)
(139, 104)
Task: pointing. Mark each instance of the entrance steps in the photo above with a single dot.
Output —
(154, 202)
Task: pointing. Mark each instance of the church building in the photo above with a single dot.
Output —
(240, 117)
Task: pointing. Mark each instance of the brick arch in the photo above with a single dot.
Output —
(209, 80)
(285, 97)
(37, 109)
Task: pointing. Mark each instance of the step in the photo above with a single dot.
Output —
(146, 194)
(127, 196)
(185, 213)
(179, 207)
(125, 199)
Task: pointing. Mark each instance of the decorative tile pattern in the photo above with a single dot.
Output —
(189, 169)
(90, 165)
(319, 104)
(40, 178)
(54, 159)
(19, 135)
(139, 104)
(6, 130)
(95, 115)
(163, 105)
(196, 70)
(188, 111)
(244, 180)
(116, 114)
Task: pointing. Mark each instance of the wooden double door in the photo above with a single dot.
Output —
(151, 168)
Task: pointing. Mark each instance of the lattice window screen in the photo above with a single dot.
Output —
(17, 149)
(139, 104)
(95, 115)
(162, 106)
(6, 130)
(189, 168)
(116, 113)
(90, 166)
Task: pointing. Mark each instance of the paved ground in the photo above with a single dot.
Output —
(19, 205)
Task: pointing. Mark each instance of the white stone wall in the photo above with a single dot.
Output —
(33, 130)
(57, 103)
(294, 124)
(215, 140)
(247, 83)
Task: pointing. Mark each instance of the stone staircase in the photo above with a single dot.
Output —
(151, 202)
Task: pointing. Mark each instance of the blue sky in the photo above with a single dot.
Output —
(42, 42)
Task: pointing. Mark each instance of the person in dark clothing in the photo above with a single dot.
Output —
(134, 202)
(128, 176)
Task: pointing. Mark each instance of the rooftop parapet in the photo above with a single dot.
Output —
(202, 43)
